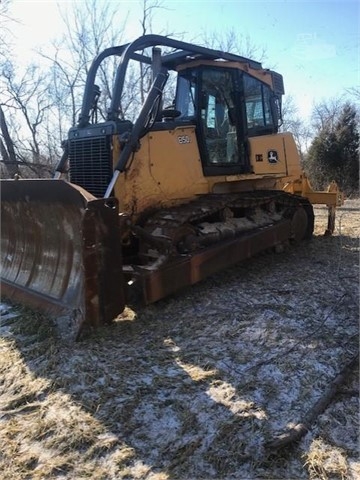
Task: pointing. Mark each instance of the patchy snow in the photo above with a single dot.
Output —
(193, 387)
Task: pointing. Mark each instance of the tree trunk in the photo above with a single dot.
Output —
(7, 148)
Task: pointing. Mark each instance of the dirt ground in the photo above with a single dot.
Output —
(197, 386)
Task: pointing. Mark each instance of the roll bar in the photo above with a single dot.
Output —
(184, 53)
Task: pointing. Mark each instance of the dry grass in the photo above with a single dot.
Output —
(194, 386)
(324, 461)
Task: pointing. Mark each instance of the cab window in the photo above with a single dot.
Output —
(258, 105)
(185, 96)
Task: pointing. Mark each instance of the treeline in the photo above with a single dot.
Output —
(334, 150)
(41, 101)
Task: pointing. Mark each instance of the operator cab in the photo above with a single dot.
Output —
(226, 97)
(228, 106)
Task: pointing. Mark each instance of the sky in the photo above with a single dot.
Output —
(313, 44)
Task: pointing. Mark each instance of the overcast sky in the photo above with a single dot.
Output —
(313, 44)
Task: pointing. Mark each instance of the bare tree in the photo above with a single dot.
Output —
(90, 28)
(21, 110)
(293, 123)
(45, 103)
(354, 92)
(27, 97)
(5, 30)
(326, 112)
(149, 9)
(65, 80)
(40, 106)
(234, 42)
(7, 148)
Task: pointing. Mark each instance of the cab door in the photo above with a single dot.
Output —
(221, 122)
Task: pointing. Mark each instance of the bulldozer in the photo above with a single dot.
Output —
(143, 208)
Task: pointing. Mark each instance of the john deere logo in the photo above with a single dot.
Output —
(273, 156)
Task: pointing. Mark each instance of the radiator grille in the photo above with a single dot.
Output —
(91, 164)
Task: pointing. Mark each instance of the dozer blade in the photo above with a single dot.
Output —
(61, 253)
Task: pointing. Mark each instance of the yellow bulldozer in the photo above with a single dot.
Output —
(151, 206)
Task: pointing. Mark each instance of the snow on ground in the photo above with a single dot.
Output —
(194, 387)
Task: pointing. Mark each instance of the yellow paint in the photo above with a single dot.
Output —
(167, 170)
(288, 164)
(176, 165)
(331, 197)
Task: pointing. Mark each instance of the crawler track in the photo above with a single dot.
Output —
(182, 245)
(210, 219)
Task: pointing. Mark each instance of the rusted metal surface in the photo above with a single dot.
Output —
(332, 197)
(190, 269)
(61, 253)
(210, 219)
(210, 233)
(61, 247)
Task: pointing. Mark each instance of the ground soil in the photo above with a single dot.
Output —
(196, 385)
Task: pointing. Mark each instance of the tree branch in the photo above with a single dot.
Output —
(299, 430)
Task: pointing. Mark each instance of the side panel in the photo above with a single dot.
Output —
(165, 170)
(275, 154)
(176, 164)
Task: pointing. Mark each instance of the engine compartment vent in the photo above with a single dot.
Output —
(90, 162)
